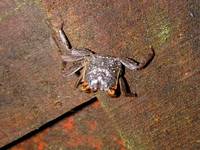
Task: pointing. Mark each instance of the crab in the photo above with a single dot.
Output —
(99, 72)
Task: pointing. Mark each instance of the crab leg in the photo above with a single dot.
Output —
(148, 59)
(134, 65)
(78, 82)
(112, 90)
(118, 77)
(124, 87)
(84, 69)
(64, 39)
(71, 58)
(80, 52)
(85, 86)
(71, 71)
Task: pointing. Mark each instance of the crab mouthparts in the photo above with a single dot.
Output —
(98, 84)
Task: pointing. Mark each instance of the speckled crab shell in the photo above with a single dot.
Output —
(102, 72)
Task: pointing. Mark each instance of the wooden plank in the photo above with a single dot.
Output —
(88, 129)
(166, 112)
(32, 89)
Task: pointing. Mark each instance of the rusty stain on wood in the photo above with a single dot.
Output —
(86, 129)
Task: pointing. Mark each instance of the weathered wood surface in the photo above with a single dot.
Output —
(165, 115)
(32, 89)
(88, 129)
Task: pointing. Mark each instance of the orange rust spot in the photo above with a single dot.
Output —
(41, 146)
(69, 124)
(38, 139)
(96, 105)
(35, 140)
(120, 142)
(92, 125)
(76, 141)
(94, 142)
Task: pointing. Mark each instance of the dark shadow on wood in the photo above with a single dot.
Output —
(129, 92)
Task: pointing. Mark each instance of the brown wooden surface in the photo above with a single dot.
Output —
(165, 115)
(32, 89)
(88, 129)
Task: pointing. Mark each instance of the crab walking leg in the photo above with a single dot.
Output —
(118, 76)
(124, 88)
(67, 73)
(112, 90)
(85, 64)
(84, 84)
(78, 82)
(64, 39)
(71, 58)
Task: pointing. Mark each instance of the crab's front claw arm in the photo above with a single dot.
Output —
(130, 63)
(72, 51)
(64, 39)
(134, 65)
(81, 52)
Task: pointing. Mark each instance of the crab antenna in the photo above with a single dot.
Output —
(64, 38)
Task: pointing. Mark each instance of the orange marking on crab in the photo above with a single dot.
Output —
(112, 92)
(86, 89)
(84, 84)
